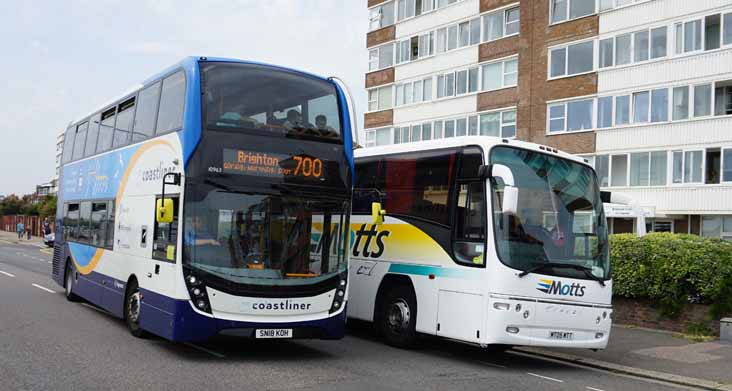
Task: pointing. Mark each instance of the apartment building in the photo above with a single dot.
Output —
(604, 79)
(59, 152)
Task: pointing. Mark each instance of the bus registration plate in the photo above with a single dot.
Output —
(274, 333)
(563, 335)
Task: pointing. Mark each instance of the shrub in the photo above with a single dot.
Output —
(672, 270)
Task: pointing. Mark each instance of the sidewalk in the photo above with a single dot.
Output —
(12, 237)
(652, 353)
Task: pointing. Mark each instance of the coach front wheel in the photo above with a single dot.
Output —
(399, 317)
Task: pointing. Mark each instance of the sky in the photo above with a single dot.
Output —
(63, 59)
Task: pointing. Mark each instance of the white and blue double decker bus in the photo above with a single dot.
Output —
(213, 199)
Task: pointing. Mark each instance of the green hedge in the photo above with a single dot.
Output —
(672, 270)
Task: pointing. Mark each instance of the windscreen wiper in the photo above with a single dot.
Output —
(586, 270)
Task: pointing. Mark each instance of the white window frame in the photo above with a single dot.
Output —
(724, 161)
(566, 46)
(377, 100)
(566, 103)
(650, 164)
(504, 22)
(683, 152)
(377, 49)
(501, 125)
(413, 83)
(503, 62)
(380, 8)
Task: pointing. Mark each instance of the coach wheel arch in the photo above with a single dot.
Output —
(389, 282)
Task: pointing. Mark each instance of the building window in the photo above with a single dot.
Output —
(713, 166)
(500, 24)
(376, 137)
(622, 49)
(498, 124)
(619, 168)
(571, 59)
(602, 168)
(727, 165)
(717, 227)
(414, 48)
(659, 42)
(648, 168)
(607, 46)
(563, 10)
(680, 103)
(723, 98)
(381, 57)
(622, 110)
(500, 74)
(457, 83)
(381, 16)
(380, 98)
(641, 106)
(605, 112)
(692, 166)
(414, 92)
(571, 116)
(688, 36)
(702, 100)
(727, 29)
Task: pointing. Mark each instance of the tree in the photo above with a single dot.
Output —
(11, 205)
(48, 208)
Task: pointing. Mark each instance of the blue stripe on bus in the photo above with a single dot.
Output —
(347, 131)
(425, 270)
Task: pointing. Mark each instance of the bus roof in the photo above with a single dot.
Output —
(188, 64)
(452, 142)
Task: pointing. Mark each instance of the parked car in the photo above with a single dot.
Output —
(48, 237)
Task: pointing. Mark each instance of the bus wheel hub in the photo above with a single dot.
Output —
(399, 316)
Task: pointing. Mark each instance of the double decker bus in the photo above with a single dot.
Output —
(213, 199)
(488, 241)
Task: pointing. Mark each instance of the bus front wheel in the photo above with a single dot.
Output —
(132, 310)
(68, 287)
(399, 317)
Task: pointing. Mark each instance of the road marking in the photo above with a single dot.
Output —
(594, 389)
(493, 365)
(545, 377)
(7, 274)
(201, 348)
(44, 288)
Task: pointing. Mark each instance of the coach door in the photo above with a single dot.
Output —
(460, 300)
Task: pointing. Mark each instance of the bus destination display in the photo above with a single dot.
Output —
(242, 162)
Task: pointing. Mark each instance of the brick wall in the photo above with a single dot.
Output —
(378, 119)
(380, 36)
(384, 76)
(641, 314)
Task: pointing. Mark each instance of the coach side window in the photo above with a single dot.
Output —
(106, 130)
(80, 140)
(92, 135)
(369, 185)
(417, 185)
(172, 103)
(71, 221)
(147, 110)
(123, 126)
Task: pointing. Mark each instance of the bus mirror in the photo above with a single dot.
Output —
(377, 214)
(510, 200)
(164, 211)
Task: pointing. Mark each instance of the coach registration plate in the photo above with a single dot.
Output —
(563, 335)
(274, 333)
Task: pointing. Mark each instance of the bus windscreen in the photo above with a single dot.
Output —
(262, 100)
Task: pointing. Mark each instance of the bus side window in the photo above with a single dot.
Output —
(147, 111)
(172, 103)
(68, 144)
(106, 129)
(109, 242)
(99, 224)
(71, 222)
(125, 115)
(165, 235)
(92, 135)
(470, 224)
(84, 222)
(80, 141)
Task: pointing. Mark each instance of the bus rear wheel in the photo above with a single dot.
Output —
(399, 317)
(69, 285)
(133, 302)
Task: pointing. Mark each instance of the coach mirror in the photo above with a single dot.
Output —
(164, 211)
(510, 191)
(377, 214)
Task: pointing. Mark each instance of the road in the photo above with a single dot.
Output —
(47, 343)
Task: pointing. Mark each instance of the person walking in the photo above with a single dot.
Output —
(20, 228)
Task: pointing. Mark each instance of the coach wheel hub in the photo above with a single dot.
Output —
(133, 308)
(399, 316)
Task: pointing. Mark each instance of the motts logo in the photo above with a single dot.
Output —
(551, 287)
(364, 240)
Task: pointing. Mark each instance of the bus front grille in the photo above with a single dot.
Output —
(57, 248)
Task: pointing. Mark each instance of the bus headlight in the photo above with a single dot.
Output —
(198, 293)
(340, 294)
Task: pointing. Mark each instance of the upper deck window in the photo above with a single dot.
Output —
(265, 100)
(172, 103)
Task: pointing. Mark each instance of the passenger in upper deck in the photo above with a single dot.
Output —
(321, 123)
